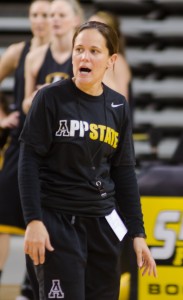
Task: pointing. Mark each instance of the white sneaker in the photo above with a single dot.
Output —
(21, 298)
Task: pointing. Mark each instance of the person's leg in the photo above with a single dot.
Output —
(63, 273)
(4, 250)
(103, 265)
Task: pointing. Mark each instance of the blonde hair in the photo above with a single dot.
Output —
(77, 8)
(33, 1)
(112, 21)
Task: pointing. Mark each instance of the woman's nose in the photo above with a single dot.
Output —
(85, 55)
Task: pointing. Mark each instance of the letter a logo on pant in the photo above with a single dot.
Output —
(56, 291)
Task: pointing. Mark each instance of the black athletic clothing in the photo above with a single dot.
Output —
(127, 196)
(123, 176)
(11, 211)
(58, 137)
(52, 71)
(76, 156)
(19, 88)
(94, 261)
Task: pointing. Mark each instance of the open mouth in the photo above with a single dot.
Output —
(85, 70)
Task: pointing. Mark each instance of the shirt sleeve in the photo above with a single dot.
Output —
(29, 184)
(37, 129)
(128, 198)
(124, 154)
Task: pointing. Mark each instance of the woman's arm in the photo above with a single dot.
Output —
(36, 239)
(10, 121)
(128, 200)
(9, 60)
(30, 83)
(29, 184)
(33, 63)
(119, 77)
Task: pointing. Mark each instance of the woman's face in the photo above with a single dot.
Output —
(39, 18)
(90, 58)
(62, 18)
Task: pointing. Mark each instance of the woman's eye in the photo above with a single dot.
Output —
(34, 15)
(45, 16)
(94, 51)
(78, 50)
(61, 15)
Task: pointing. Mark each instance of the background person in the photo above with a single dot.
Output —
(4, 144)
(4, 110)
(12, 60)
(76, 173)
(53, 61)
(119, 78)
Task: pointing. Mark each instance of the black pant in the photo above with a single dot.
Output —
(85, 264)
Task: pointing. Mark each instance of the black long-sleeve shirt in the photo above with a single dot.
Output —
(70, 142)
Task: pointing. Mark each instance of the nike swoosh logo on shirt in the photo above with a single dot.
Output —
(116, 105)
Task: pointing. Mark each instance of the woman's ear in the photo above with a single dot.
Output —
(112, 60)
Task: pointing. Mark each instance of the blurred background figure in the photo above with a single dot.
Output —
(12, 61)
(119, 78)
(4, 141)
(4, 110)
(53, 62)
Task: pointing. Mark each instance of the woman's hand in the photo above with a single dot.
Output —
(145, 261)
(36, 241)
(11, 121)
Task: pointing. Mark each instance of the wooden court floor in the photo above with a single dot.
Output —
(9, 292)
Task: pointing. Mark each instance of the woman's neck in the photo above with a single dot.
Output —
(93, 90)
(37, 42)
(62, 43)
